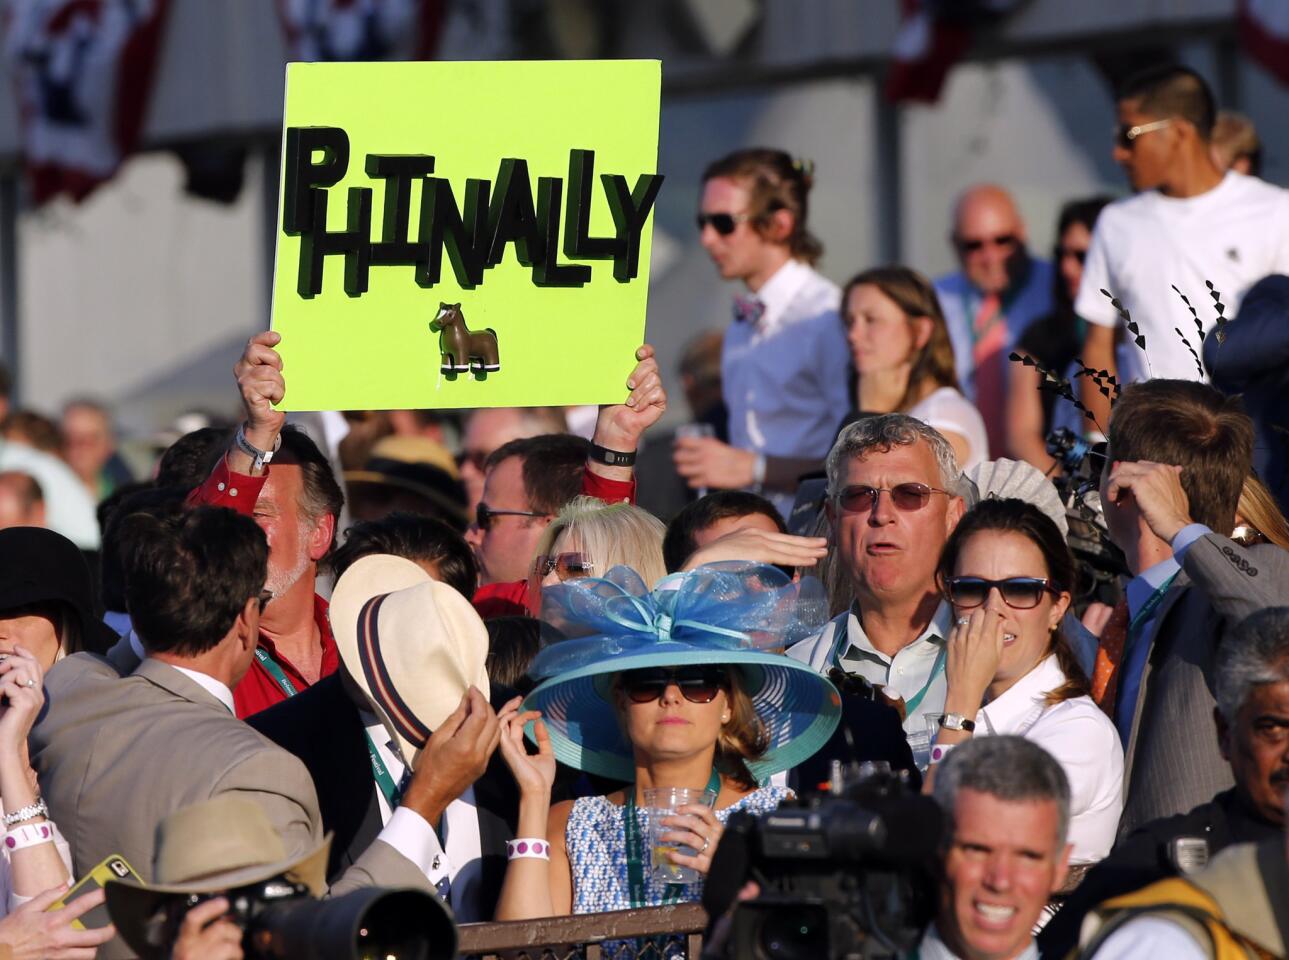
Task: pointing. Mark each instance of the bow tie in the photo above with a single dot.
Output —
(748, 309)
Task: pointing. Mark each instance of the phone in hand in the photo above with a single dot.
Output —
(114, 867)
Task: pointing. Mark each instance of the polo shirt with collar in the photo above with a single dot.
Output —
(1081, 738)
(1138, 643)
(916, 666)
(453, 863)
(785, 375)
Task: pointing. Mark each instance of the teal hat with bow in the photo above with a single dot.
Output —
(737, 615)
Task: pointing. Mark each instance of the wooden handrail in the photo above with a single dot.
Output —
(683, 920)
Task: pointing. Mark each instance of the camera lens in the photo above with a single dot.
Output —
(800, 933)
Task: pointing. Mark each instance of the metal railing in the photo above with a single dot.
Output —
(650, 933)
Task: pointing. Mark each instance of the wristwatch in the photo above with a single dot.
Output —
(956, 721)
(612, 458)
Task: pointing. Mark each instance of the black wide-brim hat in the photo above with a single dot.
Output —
(39, 566)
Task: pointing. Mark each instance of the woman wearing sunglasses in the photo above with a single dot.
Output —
(903, 359)
(669, 688)
(589, 537)
(1008, 574)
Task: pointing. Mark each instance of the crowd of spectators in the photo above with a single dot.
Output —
(452, 654)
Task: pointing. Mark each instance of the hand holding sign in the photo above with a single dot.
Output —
(259, 378)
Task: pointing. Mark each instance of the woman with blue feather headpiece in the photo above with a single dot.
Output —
(681, 686)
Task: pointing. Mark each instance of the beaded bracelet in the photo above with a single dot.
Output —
(30, 812)
(28, 835)
(528, 848)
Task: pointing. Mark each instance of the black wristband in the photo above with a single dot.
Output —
(612, 458)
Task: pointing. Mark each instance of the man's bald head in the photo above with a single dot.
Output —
(987, 233)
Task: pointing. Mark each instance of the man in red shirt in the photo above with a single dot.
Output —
(296, 502)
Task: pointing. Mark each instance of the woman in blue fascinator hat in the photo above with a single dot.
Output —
(682, 686)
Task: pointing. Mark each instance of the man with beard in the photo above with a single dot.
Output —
(295, 503)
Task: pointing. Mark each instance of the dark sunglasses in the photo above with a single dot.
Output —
(722, 223)
(1060, 253)
(567, 566)
(483, 515)
(265, 597)
(906, 496)
(975, 246)
(1019, 593)
(696, 684)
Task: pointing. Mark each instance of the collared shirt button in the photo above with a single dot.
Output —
(232, 492)
(221, 486)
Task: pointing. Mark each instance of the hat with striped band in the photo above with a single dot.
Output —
(413, 645)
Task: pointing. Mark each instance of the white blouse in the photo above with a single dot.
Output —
(948, 410)
(1081, 737)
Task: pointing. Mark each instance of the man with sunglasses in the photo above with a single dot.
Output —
(784, 358)
(892, 503)
(998, 292)
(1189, 226)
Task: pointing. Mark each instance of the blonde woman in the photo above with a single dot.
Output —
(589, 537)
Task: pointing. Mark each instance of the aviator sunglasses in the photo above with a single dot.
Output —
(722, 223)
(908, 497)
(1019, 593)
(696, 684)
(567, 566)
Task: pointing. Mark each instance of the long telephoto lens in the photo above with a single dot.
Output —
(370, 924)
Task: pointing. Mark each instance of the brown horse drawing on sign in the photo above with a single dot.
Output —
(460, 348)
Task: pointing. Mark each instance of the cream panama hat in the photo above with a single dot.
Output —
(414, 646)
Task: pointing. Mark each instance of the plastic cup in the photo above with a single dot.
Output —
(661, 802)
(699, 430)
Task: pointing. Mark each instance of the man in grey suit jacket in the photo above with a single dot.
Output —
(116, 755)
(1179, 453)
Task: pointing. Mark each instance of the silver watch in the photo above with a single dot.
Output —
(956, 721)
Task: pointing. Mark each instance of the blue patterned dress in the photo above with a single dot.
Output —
(597, 851)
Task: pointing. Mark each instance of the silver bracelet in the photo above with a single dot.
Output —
(29, 812)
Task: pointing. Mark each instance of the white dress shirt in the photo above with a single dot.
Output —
(933, 948)
(458, 861)
(203, 680)
(784, 377)
(917, 666)
(1081, 737)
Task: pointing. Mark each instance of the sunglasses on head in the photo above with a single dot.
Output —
(860, 498)
(696, 684)
(566, 566)
(1019, 593)
(1125, 134)
(722, 223)
(977, 244)
(484, 514)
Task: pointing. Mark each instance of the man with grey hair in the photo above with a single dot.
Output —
(1251, 680)
(1006, 803)
(892, 502)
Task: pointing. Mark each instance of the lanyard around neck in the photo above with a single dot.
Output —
(910, 706)
(1150, 606)
(635, 848)
(274, 670)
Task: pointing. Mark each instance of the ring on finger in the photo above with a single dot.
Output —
(963, 621)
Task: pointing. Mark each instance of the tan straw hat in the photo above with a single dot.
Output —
(209, 847)
(414, 646)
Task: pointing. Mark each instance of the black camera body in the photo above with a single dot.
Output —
(1101, 564)
(281, 920)
(849, 874)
